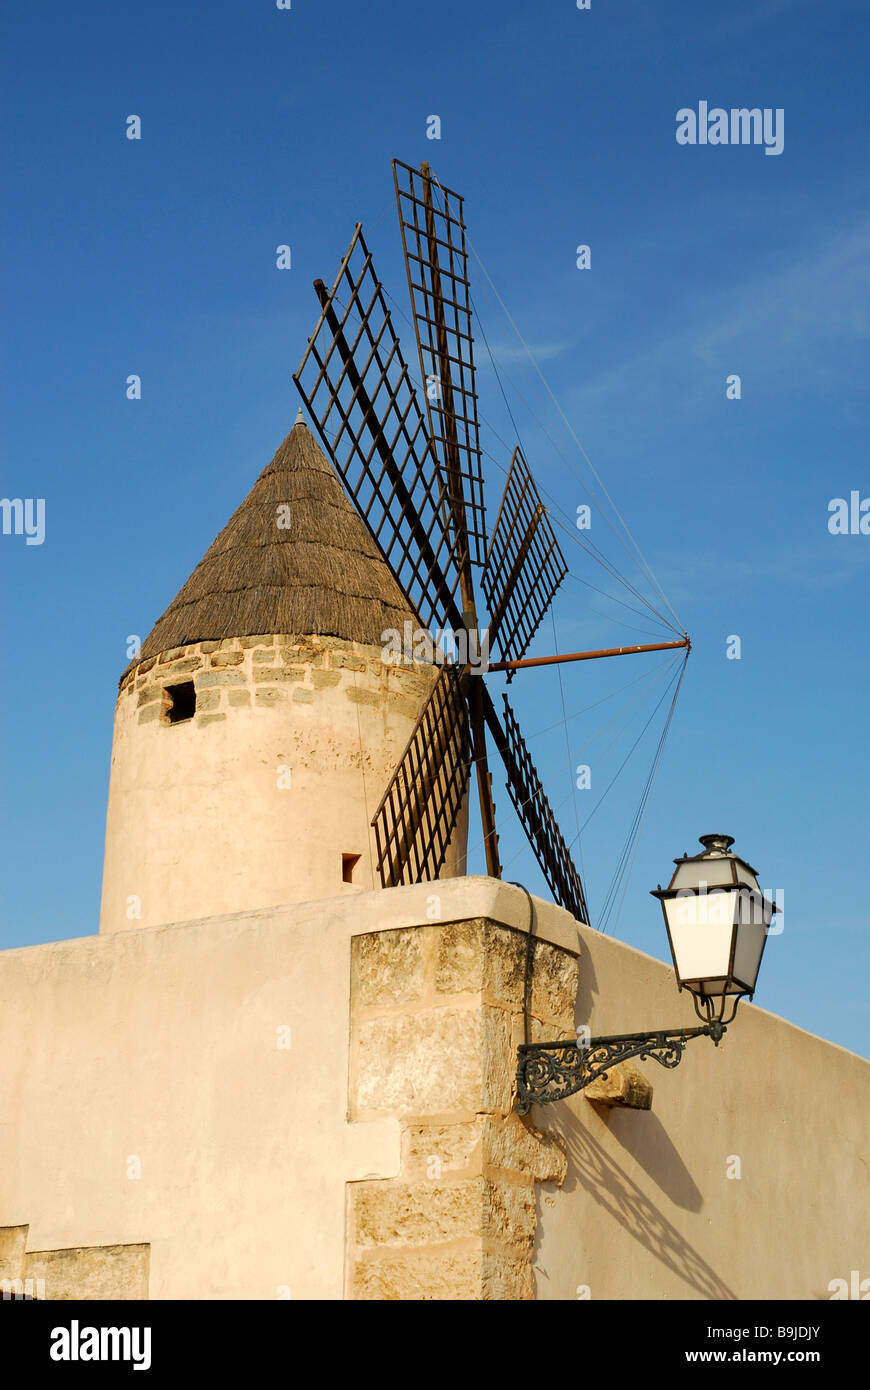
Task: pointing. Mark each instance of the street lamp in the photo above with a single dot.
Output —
(717, 920)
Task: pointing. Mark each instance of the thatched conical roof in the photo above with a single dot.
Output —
(322, 573)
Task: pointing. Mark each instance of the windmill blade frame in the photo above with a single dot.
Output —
(444, 344)
(407, 473)
(432, 227)
(524, 564)
(419, 810)
(359, 394)
(530, 802)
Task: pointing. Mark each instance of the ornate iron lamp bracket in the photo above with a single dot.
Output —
(553, 1070)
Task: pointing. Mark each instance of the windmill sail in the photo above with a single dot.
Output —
(531, 805)
(524, 565)
(416, 481)
(359, 393)
(433, 240)
(420, 807)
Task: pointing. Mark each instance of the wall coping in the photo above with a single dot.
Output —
(384, 909)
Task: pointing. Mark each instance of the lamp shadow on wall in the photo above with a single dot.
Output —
(655, 1153)
(646, 1139)
(611, 1187)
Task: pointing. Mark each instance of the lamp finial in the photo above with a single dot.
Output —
(716, 844)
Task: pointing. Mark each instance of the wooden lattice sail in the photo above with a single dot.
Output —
(417, 483)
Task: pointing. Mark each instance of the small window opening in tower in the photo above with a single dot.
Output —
(183, 702)
(348, 864)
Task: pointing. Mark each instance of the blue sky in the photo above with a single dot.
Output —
(262, 127)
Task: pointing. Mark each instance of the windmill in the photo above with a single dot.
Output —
(416, 480)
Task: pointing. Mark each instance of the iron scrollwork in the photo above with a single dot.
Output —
(553, 1070)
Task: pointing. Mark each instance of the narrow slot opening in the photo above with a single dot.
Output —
(182, 704)
(348, 864)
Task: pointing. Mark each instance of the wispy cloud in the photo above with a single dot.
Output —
(515, 352)
(821, 294)
(833, 561)
(776, 324)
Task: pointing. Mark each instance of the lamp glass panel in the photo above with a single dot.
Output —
(704, 909)
(754, 915)
(747, 954)
(713, 988)
(701, 928)
(714, 872)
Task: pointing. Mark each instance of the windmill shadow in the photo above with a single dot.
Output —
(611, 1187)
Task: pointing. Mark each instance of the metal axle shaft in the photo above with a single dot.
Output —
(585, 656)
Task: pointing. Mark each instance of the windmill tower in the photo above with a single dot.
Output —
(267, 749)
(255, 732)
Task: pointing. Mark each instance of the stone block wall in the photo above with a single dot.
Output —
(436, 1016)
(84, 1272)
(273, 670)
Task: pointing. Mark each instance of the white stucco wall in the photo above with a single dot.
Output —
(647, 1209)
(253, 801)
(162, 1044)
